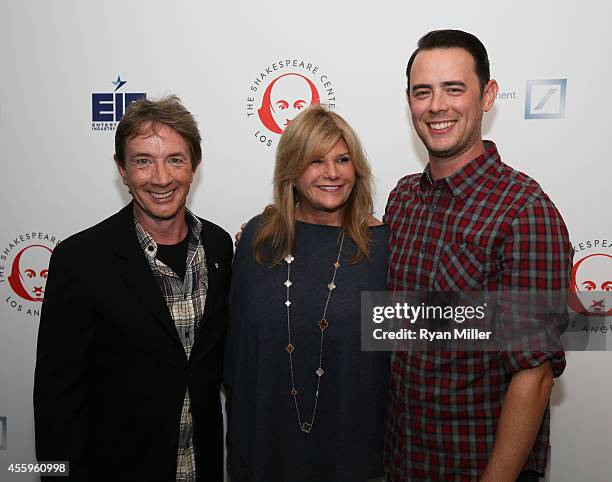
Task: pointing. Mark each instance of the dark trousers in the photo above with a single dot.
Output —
(525, 476)
(528, 476)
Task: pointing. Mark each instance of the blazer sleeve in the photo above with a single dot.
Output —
(60, 382)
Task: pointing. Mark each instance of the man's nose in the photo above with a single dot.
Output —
(438, 102)
(161, 173)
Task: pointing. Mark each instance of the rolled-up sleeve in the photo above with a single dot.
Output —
(537, 258)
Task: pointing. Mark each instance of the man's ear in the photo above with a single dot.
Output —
(489, 95)
(120, 168)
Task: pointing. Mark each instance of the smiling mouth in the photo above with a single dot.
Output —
(161, 195)
(329, 188)
(440, 126)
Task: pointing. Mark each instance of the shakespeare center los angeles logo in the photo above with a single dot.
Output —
(24, 266)
(592, 278)
(280, 91)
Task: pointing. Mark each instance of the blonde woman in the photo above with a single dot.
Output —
(305, 404)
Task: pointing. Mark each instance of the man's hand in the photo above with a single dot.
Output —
(238, 235)
(519, 422)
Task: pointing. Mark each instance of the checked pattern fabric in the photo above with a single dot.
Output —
(185, 299)
(486, 227)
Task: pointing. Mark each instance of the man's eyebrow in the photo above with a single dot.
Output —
(451, 83)
(420, 86)
(448, 83)
(148, 154)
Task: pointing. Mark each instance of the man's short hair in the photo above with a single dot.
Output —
(143, 115)
(446, 39)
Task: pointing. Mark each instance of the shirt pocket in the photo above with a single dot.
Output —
(462, 267)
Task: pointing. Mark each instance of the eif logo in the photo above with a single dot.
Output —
(545, 99)
(107, 108)
(2, 433)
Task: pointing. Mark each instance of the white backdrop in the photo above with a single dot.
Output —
(58, 176)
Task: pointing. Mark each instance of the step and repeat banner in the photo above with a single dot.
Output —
(70, 69)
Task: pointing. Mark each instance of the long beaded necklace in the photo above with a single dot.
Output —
(304, 425)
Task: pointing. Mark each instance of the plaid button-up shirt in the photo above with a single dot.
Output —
(486, 227)
(185, 299)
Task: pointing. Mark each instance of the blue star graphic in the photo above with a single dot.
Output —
(118, 83)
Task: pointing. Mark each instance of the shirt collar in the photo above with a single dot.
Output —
(463, 182)
(148, 244)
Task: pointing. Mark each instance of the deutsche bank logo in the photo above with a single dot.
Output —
(2, 433)
(545, 99)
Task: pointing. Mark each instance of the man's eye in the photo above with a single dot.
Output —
(454, 91)
(141, 162)
(175, 161)
(282, 104)
(420, 94)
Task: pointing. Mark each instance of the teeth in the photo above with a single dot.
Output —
(161, 195)
(441, 125)
(329, 188)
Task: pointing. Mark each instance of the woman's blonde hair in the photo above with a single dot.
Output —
(311, 135)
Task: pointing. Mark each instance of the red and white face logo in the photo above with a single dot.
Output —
(29, 272)
(285, 97)
(591, 280)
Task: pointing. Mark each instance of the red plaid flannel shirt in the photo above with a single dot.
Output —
(486, 227)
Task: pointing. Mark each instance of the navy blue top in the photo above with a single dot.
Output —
(265, 443)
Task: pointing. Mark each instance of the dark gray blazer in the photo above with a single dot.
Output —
(111, 372)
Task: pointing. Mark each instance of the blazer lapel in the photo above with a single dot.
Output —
(135, 270)
(204, 336)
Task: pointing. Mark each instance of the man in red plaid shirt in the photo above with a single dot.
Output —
(468, 222)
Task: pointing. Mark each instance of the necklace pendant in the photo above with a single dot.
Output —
(331, 286)
(288, 283)
(290, 348)
(337, 264)
(306, 427)
(289, 259)
(320, 372)
(323, 324)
